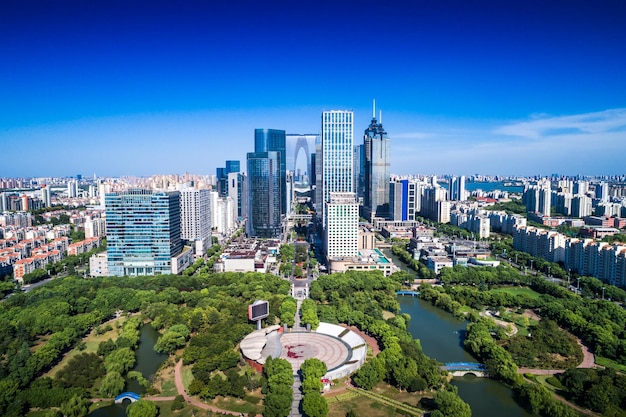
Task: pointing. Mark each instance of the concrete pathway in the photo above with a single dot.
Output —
(297, 397)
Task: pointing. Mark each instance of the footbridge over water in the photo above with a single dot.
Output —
(127, 396)
(464, 368)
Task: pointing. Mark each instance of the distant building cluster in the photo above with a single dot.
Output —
(602, 260)
(25, 247)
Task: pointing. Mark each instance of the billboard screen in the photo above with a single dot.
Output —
(258, 310)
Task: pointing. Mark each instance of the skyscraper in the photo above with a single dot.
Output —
(337, 146)
(377, 165)
(273, 140)
(143, 232)
(222, 176)
(264, 215)
(342, 226)
(195, 211)
(456, 188)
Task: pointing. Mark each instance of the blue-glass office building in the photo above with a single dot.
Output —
(273, 140)
(264, 215)
(143, 232)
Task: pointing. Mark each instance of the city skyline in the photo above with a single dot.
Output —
(516, 88)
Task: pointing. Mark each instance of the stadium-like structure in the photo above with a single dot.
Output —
(342, 350)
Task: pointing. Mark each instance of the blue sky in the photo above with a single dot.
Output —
(144, 87)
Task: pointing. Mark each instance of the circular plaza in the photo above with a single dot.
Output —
(342, 350)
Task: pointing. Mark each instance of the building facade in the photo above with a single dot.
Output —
(264, 198)
(342, 226)
(195, 211)
(273, 140)
(337, 155)
(376, 151)
(143, 232)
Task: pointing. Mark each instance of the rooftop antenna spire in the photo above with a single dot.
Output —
(374, 109)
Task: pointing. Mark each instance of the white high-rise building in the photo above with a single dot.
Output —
(95, 227)
(195, 211)
(337, 154)
(72, 189)
(538, 198)
(342, 226)
(581, 206)
(223, 213)
(45, 195)
(456, 188)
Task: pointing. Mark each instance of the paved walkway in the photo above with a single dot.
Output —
(297, 382)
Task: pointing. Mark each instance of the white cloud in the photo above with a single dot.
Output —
(540, 127)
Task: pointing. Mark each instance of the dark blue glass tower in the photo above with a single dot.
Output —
(264, 216)
(273, 140)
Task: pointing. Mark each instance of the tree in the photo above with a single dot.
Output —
(178, 403)
(313, 368)
(142, 408)
(120, 360)
(82, 370)
(112, 384)
(76, 406)
(450, 404)
(314, 405)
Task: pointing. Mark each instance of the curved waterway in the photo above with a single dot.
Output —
(441, 336)
(147, 362)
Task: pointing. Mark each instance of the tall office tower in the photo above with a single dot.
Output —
(195, 216)
(45, 195)
(143, 232)
(273, 140)
(237, 191)
(318, 192)
(456, 188)
(537, 198)
(405, 199)
(376, 169)
(301, 158)
(342, 226)
(359, 172)
(337, 155)
(263, 194)
(222, 176)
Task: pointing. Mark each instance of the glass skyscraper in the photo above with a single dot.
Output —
(143, 232)
(264, 215)
(273, 140)
(376, 167)
(222, 176)
(337, 154)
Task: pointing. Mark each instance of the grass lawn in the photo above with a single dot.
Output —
(517, 291)
(362, 407)
(388, 315)
(251, 404)
(92, 340)
(342, 403)
(608, 363)
(186, 375)
(165, 382)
